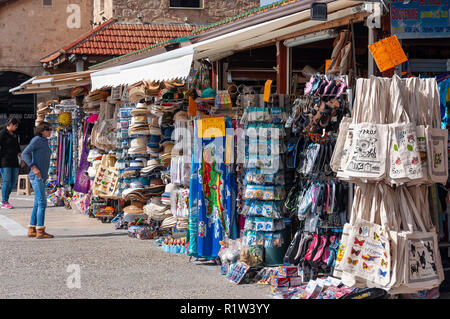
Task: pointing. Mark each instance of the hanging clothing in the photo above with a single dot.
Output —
(212, 193)
(444, 99)
(82, 183)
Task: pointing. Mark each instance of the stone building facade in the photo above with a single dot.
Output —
(29, 30)
(209, 11)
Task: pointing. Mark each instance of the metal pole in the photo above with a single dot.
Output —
(369, 55)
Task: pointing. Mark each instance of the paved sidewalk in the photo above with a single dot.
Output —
(111, 264)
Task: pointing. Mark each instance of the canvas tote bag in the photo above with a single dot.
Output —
(437, 140)
(419, 103)
(367, 254)
(344, 140)
(404, 158)
(367, 156)
(420, 259)
(357, 202)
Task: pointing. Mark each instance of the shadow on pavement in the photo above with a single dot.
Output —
(93, 235)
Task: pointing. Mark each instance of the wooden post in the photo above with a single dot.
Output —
(214, 76)
(282, 62)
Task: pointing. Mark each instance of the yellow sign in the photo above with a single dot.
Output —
(228, 149)
(211, 127)
(388, 53)
(267, 88)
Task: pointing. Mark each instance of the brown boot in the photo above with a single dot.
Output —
(41, 233)
(31, 231)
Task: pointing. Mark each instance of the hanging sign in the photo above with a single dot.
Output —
(267, 88)
(388, 53)
(211, 127)
(420, 19)
(327, 64)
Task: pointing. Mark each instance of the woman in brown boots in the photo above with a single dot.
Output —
(37, 156)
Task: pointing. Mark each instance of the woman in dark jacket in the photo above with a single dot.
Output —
(9, 160)
(37, 156)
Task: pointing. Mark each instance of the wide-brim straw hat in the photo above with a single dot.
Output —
(152, 165)
(139, 120)
(141, 130)
(135, 208)
(141, 109)
(174, 84)
(136, 92)
(181, 116)
(169, 222)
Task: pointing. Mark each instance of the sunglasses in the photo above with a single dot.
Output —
(47, 129)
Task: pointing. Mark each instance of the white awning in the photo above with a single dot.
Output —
(53, 82)
(172, 65)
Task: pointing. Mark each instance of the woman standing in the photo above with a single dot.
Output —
(37, 156)
(9, 162)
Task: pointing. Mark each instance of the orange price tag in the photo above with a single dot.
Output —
(388, 53)
(211, 127)
(327, 64)
(267, 88)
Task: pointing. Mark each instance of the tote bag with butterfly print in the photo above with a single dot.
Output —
(360, 207)
(367, 255)
(423, 266)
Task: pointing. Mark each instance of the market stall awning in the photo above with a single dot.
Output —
(172, 65)
(176, 64)
(53, 82)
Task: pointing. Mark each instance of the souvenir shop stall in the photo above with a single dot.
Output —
(63, 116)
(389, 156)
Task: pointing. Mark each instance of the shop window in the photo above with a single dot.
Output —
(47, 3)
(186, 4)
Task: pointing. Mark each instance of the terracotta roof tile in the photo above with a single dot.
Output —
(114, 38)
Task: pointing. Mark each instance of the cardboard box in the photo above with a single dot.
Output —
(276, 281)
(295, 281)
(288, 271)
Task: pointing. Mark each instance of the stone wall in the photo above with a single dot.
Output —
(159, 11)
(30, 31)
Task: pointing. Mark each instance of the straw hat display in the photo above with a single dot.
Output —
(141, 109)
(156, 186)
(169, 222)
(93, 100)
(152, 165)
(134, 208)
(154, 127)
(138, 146)
(156, 210)
(182, 223)
(167, 153)
(136, 92)
(174, 84)
(181, 116)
